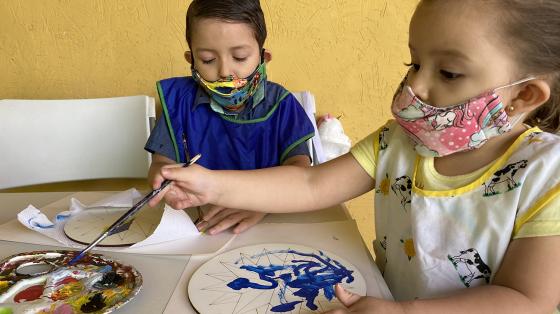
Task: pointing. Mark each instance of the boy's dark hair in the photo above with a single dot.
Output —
(244, 11)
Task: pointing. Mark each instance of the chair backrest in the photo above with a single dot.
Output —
(307, 100)
(46, 141)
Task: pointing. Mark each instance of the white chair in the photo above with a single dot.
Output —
(46, 141)
(307, 100)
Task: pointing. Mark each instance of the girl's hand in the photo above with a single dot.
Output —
(219, 218)
(190, 186)
(358, 304)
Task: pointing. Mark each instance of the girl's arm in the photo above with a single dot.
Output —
(278, 189)
(298, 160)
(219, 218)
(528, 281)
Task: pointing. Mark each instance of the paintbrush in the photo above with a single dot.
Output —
(127, 217)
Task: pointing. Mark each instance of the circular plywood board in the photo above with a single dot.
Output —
(87, 225)
(272, 278)
(96, 283)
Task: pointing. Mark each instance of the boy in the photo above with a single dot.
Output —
(228, 111)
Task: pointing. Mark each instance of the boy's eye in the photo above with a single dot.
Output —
(208, 61)
(414, 66)
(449, 75)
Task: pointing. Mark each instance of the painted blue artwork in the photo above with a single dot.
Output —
(306, 275)
(272, 278)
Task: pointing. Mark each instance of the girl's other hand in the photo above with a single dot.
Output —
(358, 304)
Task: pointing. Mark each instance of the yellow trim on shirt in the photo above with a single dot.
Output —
(477, 183)
(365, 153)
(551, 195)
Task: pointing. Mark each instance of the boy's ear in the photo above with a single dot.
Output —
(188, 57)
(529, 97)
(267, 55)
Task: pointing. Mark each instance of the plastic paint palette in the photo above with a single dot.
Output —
(272, 278)
(41, 282)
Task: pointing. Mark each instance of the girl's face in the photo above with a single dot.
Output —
(221, 49)
(456, 52)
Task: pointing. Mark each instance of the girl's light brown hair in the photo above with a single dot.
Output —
(531, 28)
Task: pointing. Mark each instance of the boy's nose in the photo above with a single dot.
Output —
(224, 71)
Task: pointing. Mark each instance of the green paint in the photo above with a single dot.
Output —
(6, 310)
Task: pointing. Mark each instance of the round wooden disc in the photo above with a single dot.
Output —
(87, 225)
(272, 278)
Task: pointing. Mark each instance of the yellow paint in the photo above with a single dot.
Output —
(385, 185)
(349, 53)
(68, 290)
(408, 247)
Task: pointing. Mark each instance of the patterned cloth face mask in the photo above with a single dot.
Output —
(232, 92)
(438, 132)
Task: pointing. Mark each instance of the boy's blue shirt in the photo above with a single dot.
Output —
(264, 134)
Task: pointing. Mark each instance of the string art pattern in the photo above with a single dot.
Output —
(89, 224)
(272, 278)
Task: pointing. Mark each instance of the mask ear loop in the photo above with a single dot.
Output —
(527, 79)
(520, 117)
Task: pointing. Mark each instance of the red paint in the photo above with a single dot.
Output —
(29, 294)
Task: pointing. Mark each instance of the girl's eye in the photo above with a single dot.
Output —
(240, 59)
(413, 66)
(450, 75)
(208, 61)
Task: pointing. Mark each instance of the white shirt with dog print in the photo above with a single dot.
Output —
(432, 242)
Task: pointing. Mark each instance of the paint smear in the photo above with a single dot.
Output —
(306, 277)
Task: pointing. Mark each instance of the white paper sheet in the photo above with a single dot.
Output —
(175, 234)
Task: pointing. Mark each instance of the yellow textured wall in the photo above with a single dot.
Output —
(349, 53)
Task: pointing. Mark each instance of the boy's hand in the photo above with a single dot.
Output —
(219, 218)
(358, 304)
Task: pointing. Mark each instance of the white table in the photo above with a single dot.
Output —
(165, 291)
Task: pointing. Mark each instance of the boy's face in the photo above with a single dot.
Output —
(221, 49)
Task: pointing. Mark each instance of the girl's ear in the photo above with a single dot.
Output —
(530, 96)
(267, 55)
(188, 57)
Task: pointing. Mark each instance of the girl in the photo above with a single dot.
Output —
(467, 195)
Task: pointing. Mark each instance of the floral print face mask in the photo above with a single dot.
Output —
(438, 132)
(232, 92)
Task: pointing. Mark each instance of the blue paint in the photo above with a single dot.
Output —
(284, 307)
(305, 278)
(63, 215)
(39, 222)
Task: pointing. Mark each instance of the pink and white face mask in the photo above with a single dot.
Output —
(438, 132)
